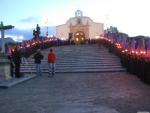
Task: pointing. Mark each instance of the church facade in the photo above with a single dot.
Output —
(79, 28)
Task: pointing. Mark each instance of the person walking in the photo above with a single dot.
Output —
(51, 61)
(37, 60)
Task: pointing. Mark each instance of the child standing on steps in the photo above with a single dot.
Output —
(51, 61)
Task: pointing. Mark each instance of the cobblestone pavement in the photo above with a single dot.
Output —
(117, 92)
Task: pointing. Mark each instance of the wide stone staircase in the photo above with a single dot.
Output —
(78, 59)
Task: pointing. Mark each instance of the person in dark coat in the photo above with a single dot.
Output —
(16, 56)
(37, 60)
(11, 63)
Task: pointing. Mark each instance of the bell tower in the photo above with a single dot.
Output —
(78, 13)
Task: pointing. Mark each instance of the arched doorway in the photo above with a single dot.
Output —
(79, 37)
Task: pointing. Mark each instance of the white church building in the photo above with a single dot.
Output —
(79, 28)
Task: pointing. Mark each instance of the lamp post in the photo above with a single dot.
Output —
(47, 31)
(46, 23)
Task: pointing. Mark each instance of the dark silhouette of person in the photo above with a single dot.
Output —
(11, 64)
(37, 59)
(17, 61)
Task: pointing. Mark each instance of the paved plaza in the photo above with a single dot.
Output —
(117, 92)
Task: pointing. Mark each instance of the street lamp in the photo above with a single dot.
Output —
(47, 23)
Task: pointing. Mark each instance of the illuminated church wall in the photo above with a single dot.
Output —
(62, 31)
(96, 29)
(80, 23)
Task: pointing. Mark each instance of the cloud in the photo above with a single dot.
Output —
(19, 34)
(30, 20)
(28, 23)
(16, 37)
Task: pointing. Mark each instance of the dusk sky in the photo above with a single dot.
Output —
(129, 16)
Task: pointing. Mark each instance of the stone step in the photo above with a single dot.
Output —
(75, 67)
(82, 58)
(78, 63)
(80, 70)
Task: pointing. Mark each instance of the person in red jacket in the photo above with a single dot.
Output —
(51, 61)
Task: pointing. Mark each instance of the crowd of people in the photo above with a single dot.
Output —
(134, 52)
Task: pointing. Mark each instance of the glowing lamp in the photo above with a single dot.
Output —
(33, 44)
(126, 50)
(97, 37)
(142, 52)
(116, 44)
(132, 51)
(77, 39)
(123, 51)
(28, 45)
(119, 46)
(77, 34)
(137, 52)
